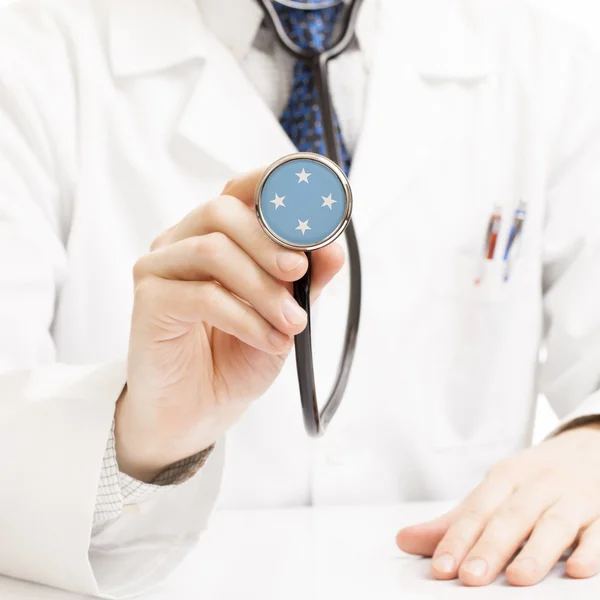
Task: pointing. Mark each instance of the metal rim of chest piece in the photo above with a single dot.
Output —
(337, 171)
(308, 5)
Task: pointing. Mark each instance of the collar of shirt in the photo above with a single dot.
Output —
(237, 22)
(168, 32)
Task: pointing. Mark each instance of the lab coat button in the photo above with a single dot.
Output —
(131, 509)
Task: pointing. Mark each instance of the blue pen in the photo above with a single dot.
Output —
(514, 234)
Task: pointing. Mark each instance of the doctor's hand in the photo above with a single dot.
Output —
(546, 497)
(213, 322)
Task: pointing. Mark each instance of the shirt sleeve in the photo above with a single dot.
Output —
(118, 491)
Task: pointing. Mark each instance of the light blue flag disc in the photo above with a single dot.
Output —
(304, 201)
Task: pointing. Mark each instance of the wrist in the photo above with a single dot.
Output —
(133, 453)
(144, 449)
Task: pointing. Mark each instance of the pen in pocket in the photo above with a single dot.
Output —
(512, 244)
(491, 238)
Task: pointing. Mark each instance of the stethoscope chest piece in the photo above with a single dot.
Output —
(303, 201)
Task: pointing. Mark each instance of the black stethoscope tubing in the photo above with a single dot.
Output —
(316, 420)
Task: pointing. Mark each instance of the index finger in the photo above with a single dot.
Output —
(471, 519)
(245, 230)
(244, 186)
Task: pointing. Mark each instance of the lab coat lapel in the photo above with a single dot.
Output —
(227, 120)
(224, 117)
(410, 116)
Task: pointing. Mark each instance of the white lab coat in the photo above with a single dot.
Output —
(118, 117)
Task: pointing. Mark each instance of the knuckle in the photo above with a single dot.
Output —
(559, 520)
(474, 516)
(198, 245)
(211, 293)
(230, 186)
(510, 512)
(455, 538)
(141, 268)
(162, 239)
(212, 212)
(207, 245)
(462, 534)
(246, 316)
(157, 242)
(216, 242)
(147, 292)
(219, 210)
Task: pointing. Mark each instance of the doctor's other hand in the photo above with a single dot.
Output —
(213, 322)
(546, 498)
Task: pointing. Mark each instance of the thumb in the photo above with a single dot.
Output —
(423, 538)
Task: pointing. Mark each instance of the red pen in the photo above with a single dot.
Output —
(491, 239)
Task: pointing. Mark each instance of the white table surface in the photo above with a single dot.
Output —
(318, 554)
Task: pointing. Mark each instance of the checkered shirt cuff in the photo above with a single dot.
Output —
(116, 489)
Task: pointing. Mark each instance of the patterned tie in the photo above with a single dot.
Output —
(301, 119)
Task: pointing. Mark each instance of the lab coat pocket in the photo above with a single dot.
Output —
(481, 343)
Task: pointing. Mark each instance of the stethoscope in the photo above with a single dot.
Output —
(268, 201)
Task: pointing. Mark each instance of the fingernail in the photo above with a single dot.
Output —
(288, 261)
(527, 566)
(444, 564)
(292, 312)
(277, 339)
(476, 567)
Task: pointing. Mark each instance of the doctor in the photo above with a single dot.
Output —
(125, 126)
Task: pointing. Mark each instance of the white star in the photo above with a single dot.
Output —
(278, 201)
(302, 226)
(303, 176)
(329, 201)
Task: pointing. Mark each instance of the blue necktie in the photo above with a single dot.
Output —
(301, 119)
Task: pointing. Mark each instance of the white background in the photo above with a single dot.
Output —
(584, 14)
